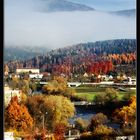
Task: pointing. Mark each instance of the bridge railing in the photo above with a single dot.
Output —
(83, 103)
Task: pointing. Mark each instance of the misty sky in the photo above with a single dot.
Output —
(26, 26)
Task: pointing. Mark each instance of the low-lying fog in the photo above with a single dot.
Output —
(26, 26)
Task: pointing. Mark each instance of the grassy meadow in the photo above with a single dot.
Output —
(89, 92)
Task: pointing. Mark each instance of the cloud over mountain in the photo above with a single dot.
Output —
(61, 5)
(128, 13)
(24, 25)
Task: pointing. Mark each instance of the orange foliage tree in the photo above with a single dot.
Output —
(126, 113)
(59, 131)
(17, 116)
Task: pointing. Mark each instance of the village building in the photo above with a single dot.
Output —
(36, 76)
(99, 76)
(9, 135)
(85, 75)
(27, 70)
(131, 137)
(110, 77)
(130, 81)
(104, 78)
(9, 93)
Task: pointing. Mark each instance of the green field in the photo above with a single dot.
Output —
(90, 92)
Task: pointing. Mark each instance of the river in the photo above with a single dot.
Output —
(87, 113)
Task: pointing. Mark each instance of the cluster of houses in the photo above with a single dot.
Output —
(35, 74)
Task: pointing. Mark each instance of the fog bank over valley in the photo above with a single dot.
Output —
(25, 26)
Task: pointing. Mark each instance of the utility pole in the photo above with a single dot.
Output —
(43, 119)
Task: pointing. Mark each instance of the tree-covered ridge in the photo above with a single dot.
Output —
(84, 57)
(21, 53)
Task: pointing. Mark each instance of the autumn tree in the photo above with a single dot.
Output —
(58, 86)
(23, 97)
(6, 69)
(24, 86)
(81, 124)
(100, 98)
(110, 95)
(59, 131)
(126, 114)
(13, 83)
(102, 130)
(59, 109)
(35, 104)
(96, 120)
(53, 87)
(32, 85)
(17, 116)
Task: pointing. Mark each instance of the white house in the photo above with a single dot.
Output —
(85, 74)
(107, 77)
(9, 93)
(110, 77)
(25, 70)
(99, 76)
(35, 75)
(8, 136)
(130, 81)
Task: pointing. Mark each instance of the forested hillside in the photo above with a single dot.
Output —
(94, 58)
(21, 53)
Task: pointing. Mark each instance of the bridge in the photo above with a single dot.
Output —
(110, 83)
(82, 103)
(70, 84)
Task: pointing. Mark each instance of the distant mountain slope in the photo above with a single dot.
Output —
(62, 5)
(128, 13)
(18, 53)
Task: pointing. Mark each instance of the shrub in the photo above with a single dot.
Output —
(81, 124)
(96, 120)
(102, 130)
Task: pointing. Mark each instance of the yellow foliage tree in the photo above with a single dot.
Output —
(102, 130)
(59, 109)
(58, 86)
(98, 119)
